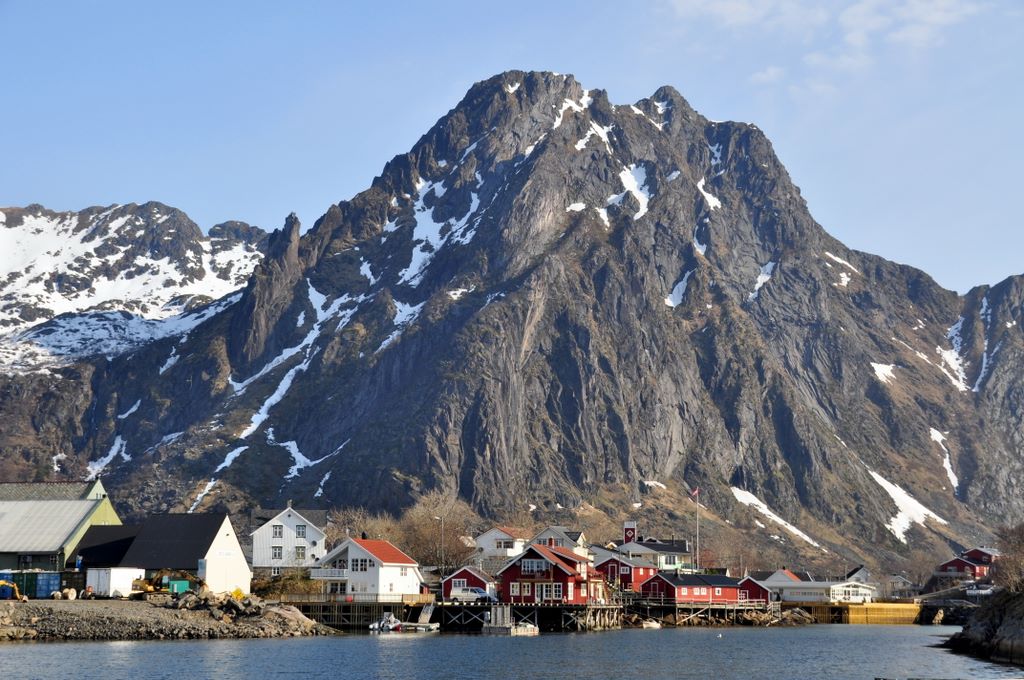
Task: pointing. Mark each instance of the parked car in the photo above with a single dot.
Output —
(471, 594)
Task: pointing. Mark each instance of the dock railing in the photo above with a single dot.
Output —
(357, 598)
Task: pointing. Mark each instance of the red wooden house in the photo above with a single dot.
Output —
(981, 555)
(691, 588)
(466, 577)
(964, 568)
(751, 589)
(625, 573)
(550, 575)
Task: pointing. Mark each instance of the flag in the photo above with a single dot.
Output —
(696, 492)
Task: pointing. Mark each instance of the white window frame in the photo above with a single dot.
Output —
(275, 571)
(277, 552)
(513, 589)
(277, 531)
(718, 591)
(300, 531)
(459, 583)
(300, 552)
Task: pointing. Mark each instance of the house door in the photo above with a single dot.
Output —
(613, 572)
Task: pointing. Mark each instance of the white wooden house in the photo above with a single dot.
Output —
(500, 542)
(561, 537)
(368, 570)
(287, 540)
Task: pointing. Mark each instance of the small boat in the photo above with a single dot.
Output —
(387, 623)
(650, 623)
(390, 624)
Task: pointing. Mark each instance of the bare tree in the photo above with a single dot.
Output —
(354, 522)
(1008, 570)
(438, 531)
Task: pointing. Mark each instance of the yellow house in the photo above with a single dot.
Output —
(42, 523)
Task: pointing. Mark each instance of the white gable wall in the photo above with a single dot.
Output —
(487, 543)
(224, 568)
(263, 542)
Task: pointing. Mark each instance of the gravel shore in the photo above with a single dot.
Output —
(136, 620)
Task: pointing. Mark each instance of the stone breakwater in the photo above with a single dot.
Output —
(995, 631)
(131, 620)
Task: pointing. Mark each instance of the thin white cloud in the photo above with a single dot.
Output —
(789, 15)
(768, 75)
(921, 22)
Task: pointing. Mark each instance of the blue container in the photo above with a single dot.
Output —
(6, 576)
(6, 593)
(46, 583)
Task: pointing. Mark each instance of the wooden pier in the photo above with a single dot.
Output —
(357, 614)
(672, 613)
(870, 613)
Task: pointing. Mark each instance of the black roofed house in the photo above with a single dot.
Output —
(691, 588)
(202, 543)
(103, 546)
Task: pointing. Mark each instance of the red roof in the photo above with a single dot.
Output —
(560, 557)
(514, 532)
(384, 551)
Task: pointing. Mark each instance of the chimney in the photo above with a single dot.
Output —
(289, 502)
(628, 531)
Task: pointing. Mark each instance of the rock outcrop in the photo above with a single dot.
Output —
(995, 631)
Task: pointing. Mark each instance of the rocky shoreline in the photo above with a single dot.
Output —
(995, 631)
(52, 620)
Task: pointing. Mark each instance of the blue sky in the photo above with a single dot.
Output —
(899, 119)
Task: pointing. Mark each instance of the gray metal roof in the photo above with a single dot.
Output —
(40, 526)
(49, 491)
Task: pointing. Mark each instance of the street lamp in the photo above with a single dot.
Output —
(441, 518)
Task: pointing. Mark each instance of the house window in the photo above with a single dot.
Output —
(275, 571)
(624, 571)
(583, 590)
(513, 589)
(300, 531)
(300, 552)
(683, 590)
(528, 566)
(571, 596)
(718, 591)
(391, 587)
(670, 559)
(404, 571)
(526, 589)
(336, 587)
(278, 531)
(556, 591)
(276, 552)
(458, 583)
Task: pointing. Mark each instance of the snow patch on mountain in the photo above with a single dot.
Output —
(947, 462)
(884, 372)
(713, 202)
(909, 509)
(752, 501)
(674, 298)
(634, 179)
(762, 278)
(842, 262)
(133, 409)
(116, 449)
(953, 364)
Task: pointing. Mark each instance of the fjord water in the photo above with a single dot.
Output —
(809, 652)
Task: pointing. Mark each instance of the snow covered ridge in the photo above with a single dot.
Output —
(103, 281)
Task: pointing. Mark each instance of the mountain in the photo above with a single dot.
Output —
(106, 280)
(558, 305)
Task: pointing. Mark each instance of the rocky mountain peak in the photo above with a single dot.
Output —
(553, 302)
